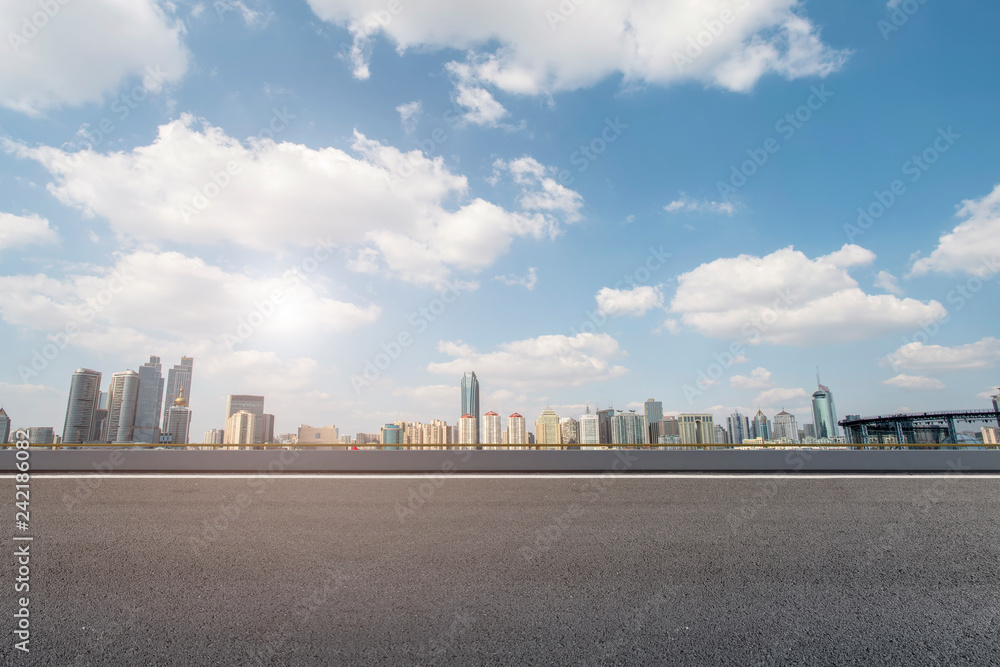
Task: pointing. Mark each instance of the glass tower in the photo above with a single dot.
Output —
(147, 408)
(84, 394)
(824, 412)
(470, 400)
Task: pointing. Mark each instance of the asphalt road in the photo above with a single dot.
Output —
(528, 571)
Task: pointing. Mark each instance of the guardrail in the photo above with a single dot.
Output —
(443, 459)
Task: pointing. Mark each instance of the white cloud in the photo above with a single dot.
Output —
(482, 107)
(699, 206)
(787, 298)
(984, 353)
(670, 325)
(155, 297)
(540, 50)
(409, 113)
(397, 209)
(636, 301)
(779, 395)
(888, 282)
(17, 231)
(989, 393)
(759, 378)
(973, 246)
(528, 281)
(435, 395)
(914, 382)
(82, 53)
(552, 361)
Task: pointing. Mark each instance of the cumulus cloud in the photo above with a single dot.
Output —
(409, 113)
(552, 361)
(527, 281)
(519, 47)
(779, 395)
(982, 354)
(398, 211)
(17, 231)
(786, 298)
(79, 52)
(918, 382)
(759, 378)
(888, 282)
(432, 394)
(635, 301)
(699, 206)
(973, 246)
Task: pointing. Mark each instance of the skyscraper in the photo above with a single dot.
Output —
(739, 428)
(697, 429)
(569, 431)
(604, 425)
(4, 427)
(547, 428)
(123, 392)
(516, 433)
(239, 428)
(761, 427)
(84, 392)
(824, 412)
(252, 404)
(178, 420)
(267, 428)
(628, 428)
(492, 429)
(653, 412)
(467, 434)
(177, 377)
(147, 407)
(590, 430)
(785, 426)
(392, 434)
(470, 400)
(721, 435)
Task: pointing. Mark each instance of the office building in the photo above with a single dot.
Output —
(149, 402)
(569, 431)
(604, 425)
(178, 421)
(123, 392)
(785, 426)
(317, 435)
(628, 428)
(991, 435)
(41, 435)
(178, 378)
(267, 428)
(670, 428)
(761, 426)
(738, 427)
(696, 429)
(240, 428)
(653, 412)
(492, 431)
(214, 436)
(590, 430)
(547, 430)
(392, 434)
(4, 427)
(247, 403)
(808, 431)
(84, 394)
(516, 430)
(721, 435)
(824, 412)
(470, 400)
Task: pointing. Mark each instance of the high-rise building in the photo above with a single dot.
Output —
(996, 404)
(547, 428)
(467, 430)
(761, 426)
(669, 427)
(178, 421)
(239, 428)
(470, 400)
(41, 435)
(178, 377)
(267, 428)
(785, 426)
(991, 435)
(739, 428)
(323, 435)
(148, 403)
(252, 404)
(84, 393)
(590, 430)
(437, 433)
(492, 429)
(4, 427)
(653, 412)
(569, 431)
(214, 436)
(696, 429)
(824, 412)
(123, 392)
(604, 425)
(721, 435)
(516, 431)
(808, 431)
(628, 428)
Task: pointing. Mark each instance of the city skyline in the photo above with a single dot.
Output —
(697, 210)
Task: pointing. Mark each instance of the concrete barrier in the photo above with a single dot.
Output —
(445, 461)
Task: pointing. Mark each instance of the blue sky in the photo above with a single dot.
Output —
(279, 189)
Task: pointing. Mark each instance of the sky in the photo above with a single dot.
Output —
(343, 205)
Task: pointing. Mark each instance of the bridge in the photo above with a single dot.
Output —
(913, 428)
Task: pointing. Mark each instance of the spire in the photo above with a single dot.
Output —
(180, 402)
